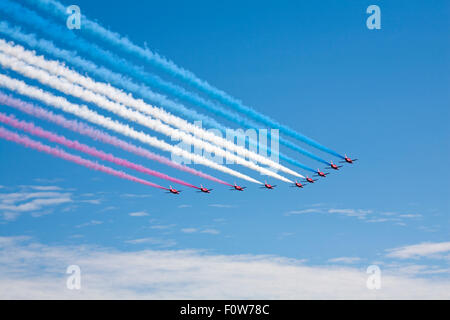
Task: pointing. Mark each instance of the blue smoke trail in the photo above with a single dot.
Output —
(58, 10)
(22, 14)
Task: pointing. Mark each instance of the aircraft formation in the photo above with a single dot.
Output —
(70, 79)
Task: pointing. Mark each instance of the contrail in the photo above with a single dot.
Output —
(68, 88)
(84, 112)
(84, 129)
(27, 142)
(39, 132)
(29, 17)
(58, 10)
(56, 68)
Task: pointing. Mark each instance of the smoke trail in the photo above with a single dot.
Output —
(119, 96)
(37, 131)
(99, 135)
(136, 116)
(27, 142)
(91, 116)
(125, 44)
(27, 16)
(123, 82)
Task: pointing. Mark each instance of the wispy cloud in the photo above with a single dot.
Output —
(189, 230)
(90, 223)
(425, 249)
(43, 188)
(366, 215)
(162, 227)
(30, 199)
(378, 220)
(359, 213)
(91, 201)
(210, 231)
(346, 260)
(198, 230)
(181, 206)
(39, 200)
(415, 215)
(303, 211)
(138, 214)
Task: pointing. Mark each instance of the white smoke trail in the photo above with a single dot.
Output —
(84, 112)
(59, 69)
(69, 88)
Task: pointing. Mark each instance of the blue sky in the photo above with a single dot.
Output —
(379, 95)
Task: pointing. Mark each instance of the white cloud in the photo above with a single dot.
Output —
(138, 214)
(378, 220)
(415, 215)
(196, 230)
(36, 204)
(162, 227)
(181, 206)
(189, 230)
(359, 213)
(347, 260)
(32, 199)
(426, 249)
(109, 208)
(303, 211)
(30, 270)
(366, 215)
(91, 201)
(44, 188)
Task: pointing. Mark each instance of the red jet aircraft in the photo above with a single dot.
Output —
(348, 160)
(333, 166)
(321, 174)
(308, 179)
(298, 185)
(268, 186)
(238, 188)
(174, 191)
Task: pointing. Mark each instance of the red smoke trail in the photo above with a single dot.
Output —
(99, 135)
(37, 131)
(27, 142)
